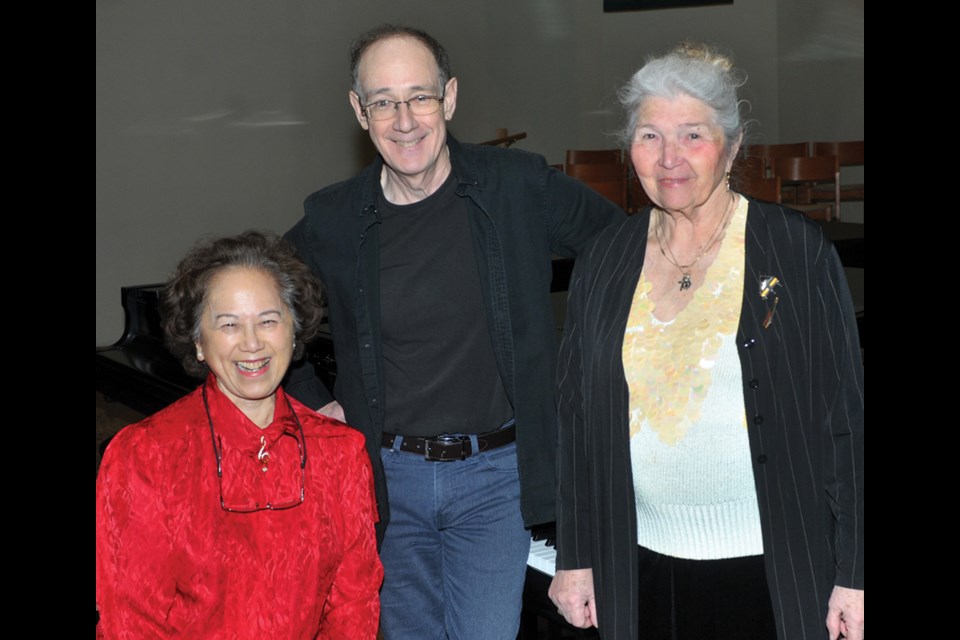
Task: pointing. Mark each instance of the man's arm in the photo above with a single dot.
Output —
(575, 213)
(302, 383)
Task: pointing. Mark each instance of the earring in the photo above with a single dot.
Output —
(200, 355)
(728, 181)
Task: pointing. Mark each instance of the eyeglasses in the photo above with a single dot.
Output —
(295, 497)
(273, 505)
(419, 106)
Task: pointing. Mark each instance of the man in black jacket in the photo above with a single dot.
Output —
(437, 265)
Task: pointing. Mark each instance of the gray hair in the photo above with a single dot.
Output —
(385, 31)
(696, 70)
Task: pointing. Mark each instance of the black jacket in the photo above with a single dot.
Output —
(803, 391)
(523, 213)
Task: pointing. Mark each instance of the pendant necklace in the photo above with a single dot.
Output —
(686, 281)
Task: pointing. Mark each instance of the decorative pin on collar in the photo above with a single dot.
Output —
(263, 455)
(768, 285)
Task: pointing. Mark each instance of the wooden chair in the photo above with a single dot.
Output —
(766, 189)
(750, 167)
(609, 179)
(770, 152)
(849, 154)
(773, 151)
(637, 198)
(805, 174)
(594, 156)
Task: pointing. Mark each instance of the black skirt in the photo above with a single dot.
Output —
(725, 599)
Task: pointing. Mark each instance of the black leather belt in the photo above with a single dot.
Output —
(446, 447)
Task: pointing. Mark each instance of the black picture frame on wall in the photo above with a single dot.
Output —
(610, 6)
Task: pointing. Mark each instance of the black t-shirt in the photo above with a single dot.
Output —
(440, 371)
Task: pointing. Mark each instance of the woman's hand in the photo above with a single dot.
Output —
(572, 592)
(845, 613)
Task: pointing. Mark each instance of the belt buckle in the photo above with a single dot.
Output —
(445, 448)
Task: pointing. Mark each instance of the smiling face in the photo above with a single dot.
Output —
(413, 147)
(680, 154)
(246, 338)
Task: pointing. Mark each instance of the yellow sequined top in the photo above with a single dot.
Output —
(690, 452)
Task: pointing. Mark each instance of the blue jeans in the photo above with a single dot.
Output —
(455, 551)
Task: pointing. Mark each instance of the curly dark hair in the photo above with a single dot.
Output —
(184, 295)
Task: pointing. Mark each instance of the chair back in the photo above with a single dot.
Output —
(770, 152)
(784, 150)
(594, 156)
(849, 154)
(750, 167)
(819, 169)
(766, 189)
(806, 173)
(637, 198)
(610, 180)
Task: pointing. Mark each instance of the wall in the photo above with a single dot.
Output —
(820, 52)
(217, 116)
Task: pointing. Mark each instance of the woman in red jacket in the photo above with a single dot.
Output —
(237, 512)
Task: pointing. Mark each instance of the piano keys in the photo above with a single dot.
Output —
(543, 557)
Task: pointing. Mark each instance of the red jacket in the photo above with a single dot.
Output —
(171, 563)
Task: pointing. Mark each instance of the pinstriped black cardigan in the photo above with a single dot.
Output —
(803, 390)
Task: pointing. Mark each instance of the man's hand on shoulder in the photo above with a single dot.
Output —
(332, 410)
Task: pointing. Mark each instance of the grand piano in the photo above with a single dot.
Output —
(139, 372)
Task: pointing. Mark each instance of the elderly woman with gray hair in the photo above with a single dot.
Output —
(710, 396)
